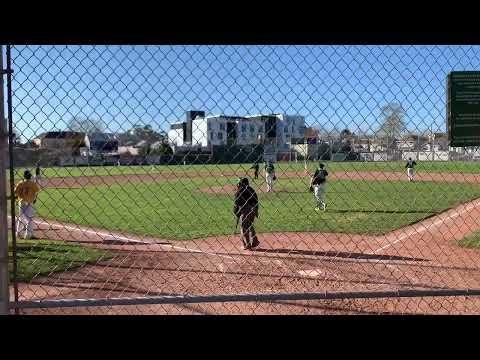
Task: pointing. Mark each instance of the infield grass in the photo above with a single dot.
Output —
(175, 209)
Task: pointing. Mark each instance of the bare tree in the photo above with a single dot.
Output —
(393, 123)
(86, 125)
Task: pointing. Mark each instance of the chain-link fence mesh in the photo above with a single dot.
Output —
(137, 152)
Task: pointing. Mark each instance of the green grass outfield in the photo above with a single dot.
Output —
(396, 166)
(44, 257)
(176, 210)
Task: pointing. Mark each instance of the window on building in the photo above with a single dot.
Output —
(244, 128)
(209, 126)
(260, 129)
(252, 128)
(285, 129)
(210, 135)
(222, 126)
(220, 136)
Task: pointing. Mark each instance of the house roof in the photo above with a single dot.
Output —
(63, 135)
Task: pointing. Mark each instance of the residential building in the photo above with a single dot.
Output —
(219, 130)
(360, 144)
(69, 141)
(277, 130)
(377, 145)
(411, 142)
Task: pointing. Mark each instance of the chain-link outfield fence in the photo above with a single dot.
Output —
(137, 152)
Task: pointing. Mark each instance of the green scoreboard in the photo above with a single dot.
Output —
(463, 108)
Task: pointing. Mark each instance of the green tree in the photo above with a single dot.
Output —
(163, 149)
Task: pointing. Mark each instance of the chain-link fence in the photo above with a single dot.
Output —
(355, 202)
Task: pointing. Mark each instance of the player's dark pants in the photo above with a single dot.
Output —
(247, 231)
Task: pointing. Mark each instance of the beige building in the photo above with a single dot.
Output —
(62, 140)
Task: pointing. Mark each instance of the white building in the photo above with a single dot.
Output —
(216, 130)
(250, 131)
(291, 129)
(176, 134)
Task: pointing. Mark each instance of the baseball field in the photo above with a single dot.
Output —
(188, 202)
(380, 232)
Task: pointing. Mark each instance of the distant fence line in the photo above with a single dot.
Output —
(31, 158)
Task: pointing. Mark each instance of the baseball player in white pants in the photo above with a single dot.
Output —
(26, 194)
(269, 175)
(410, 172)
(25, 220)
(317, 185)
(319, 192)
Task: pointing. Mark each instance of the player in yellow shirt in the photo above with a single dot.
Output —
(26, 193)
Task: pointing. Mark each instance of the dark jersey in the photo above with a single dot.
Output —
(410, 164)
(319, 177)
(245, 200)
(269, 168)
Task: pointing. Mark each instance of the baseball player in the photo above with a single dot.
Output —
(246, 210)
(270, 175)
(410, 172)
(317, 186)
(26, 193)
(255, 168)
(38, 174)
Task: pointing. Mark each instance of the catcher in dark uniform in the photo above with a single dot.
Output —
(246, 210)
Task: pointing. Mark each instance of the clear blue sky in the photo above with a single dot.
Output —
(332, 86)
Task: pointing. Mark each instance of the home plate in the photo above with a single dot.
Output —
(311, 273)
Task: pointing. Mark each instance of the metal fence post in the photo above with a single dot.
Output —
(4, 278)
